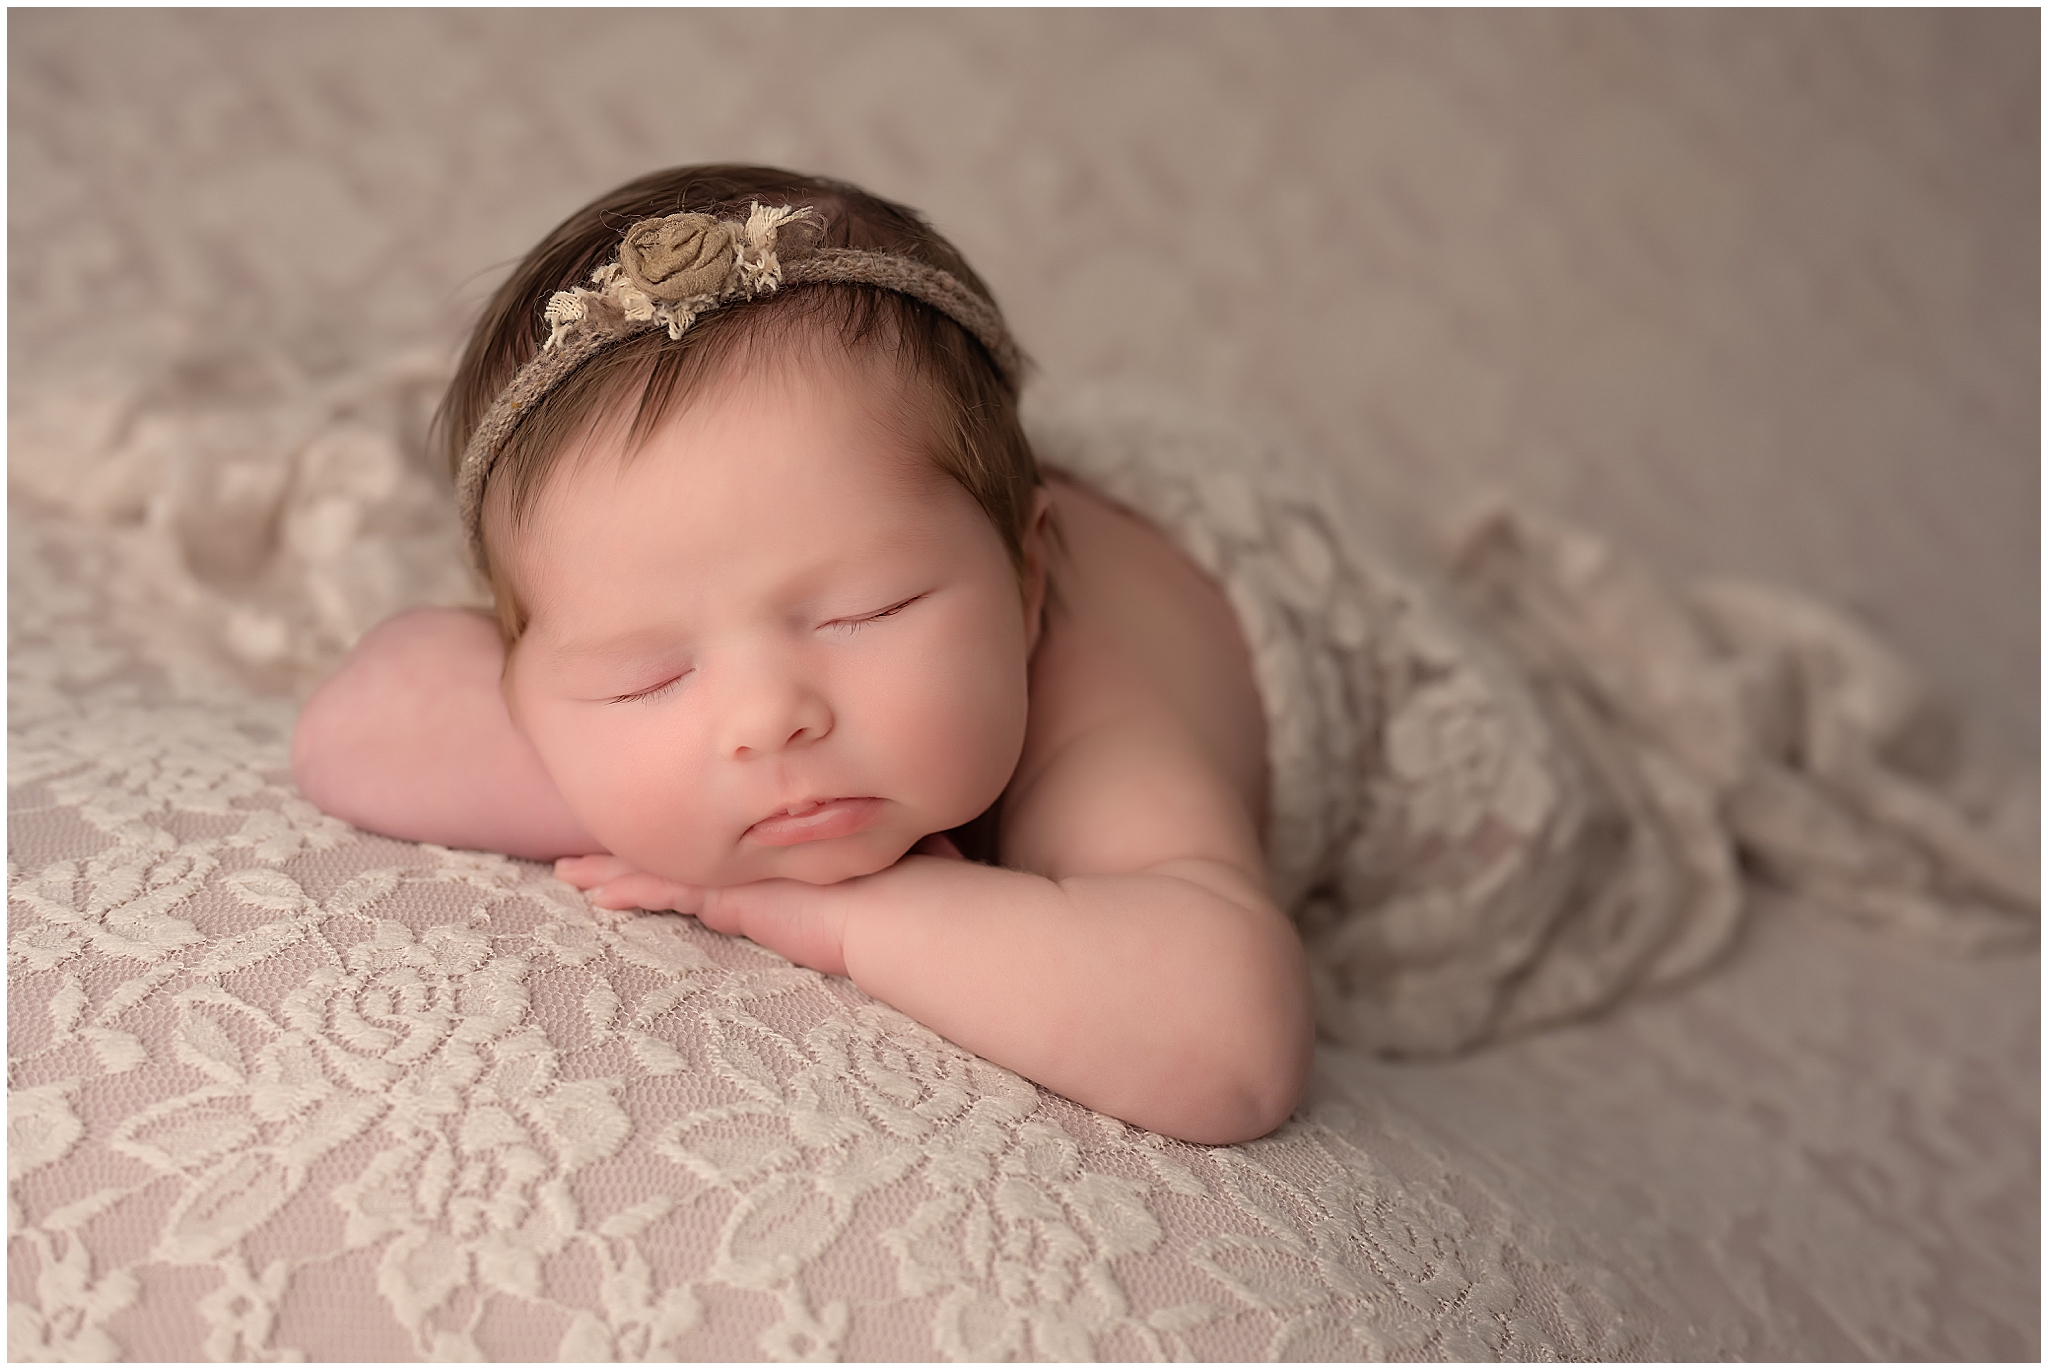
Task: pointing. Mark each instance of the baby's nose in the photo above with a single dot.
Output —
(771, 716)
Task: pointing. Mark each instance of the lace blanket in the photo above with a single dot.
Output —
(278, 1086)
(1511, 793)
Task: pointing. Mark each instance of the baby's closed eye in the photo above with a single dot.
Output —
(652, 692)
(856, 623)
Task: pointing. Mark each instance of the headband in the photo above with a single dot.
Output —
(671, 271)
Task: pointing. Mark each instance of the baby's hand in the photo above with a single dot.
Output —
(614, 884)
(802, 922)
(806, 923)
(937, 844)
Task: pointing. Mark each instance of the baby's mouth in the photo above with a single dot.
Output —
(815, 820)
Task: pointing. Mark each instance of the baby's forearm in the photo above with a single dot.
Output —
(1176, 999)
(411, 738)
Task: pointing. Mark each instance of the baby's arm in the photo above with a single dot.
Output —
(1129, 957)
(411, 738)
(1135, 965)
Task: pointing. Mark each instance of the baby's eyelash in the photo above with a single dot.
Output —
(854, 625)
(653, 693)
(850, 625)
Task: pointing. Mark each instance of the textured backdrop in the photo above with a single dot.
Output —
(1754, 293)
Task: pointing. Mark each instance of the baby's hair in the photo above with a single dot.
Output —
(965, 402)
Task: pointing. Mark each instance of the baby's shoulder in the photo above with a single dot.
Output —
(1130, 609)
(1141, 679)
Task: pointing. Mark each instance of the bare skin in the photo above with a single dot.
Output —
(1125, 953)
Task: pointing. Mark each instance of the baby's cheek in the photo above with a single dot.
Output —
(955, 730)
(668, 825)
(635, 794)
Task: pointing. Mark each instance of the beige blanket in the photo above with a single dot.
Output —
(279, 1087)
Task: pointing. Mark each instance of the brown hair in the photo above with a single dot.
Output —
(968, 409)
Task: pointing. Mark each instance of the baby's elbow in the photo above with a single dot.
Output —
(1255, 1088)
(1281, 1078)
(1251, 1044)
(323, 744)
(1247, 1058)
(309, 752)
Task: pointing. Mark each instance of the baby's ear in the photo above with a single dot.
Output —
(506, 690)
(1041, 515)
(1039, 534)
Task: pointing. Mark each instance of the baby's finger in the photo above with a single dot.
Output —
(586, 872)
(937, 844)
(639, 890)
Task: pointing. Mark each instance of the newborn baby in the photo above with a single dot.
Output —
(788, 619)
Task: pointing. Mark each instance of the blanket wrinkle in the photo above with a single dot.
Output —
(261, 525)
(1808, 732)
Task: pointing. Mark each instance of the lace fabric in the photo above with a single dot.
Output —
(282, 1089)
(1515, 787)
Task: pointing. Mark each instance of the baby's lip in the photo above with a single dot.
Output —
(816, 820)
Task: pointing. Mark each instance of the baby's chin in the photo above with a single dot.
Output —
(814, 863)
(829, 867)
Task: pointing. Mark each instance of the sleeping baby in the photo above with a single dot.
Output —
(794, 634)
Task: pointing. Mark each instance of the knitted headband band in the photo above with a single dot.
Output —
(671, 271)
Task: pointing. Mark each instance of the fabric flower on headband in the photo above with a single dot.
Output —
(671, 270)
(681, 256)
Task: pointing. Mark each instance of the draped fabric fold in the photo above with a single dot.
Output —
(1522, 776)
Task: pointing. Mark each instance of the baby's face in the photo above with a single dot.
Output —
(775, 641)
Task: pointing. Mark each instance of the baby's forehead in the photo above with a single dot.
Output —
(896, 499)
(591, 606)
(745, 533)
(837, 407)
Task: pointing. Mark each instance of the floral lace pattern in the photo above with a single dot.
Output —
(281, 1089)
(314, 1069)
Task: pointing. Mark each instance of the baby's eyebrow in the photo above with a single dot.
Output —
(625, 647)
